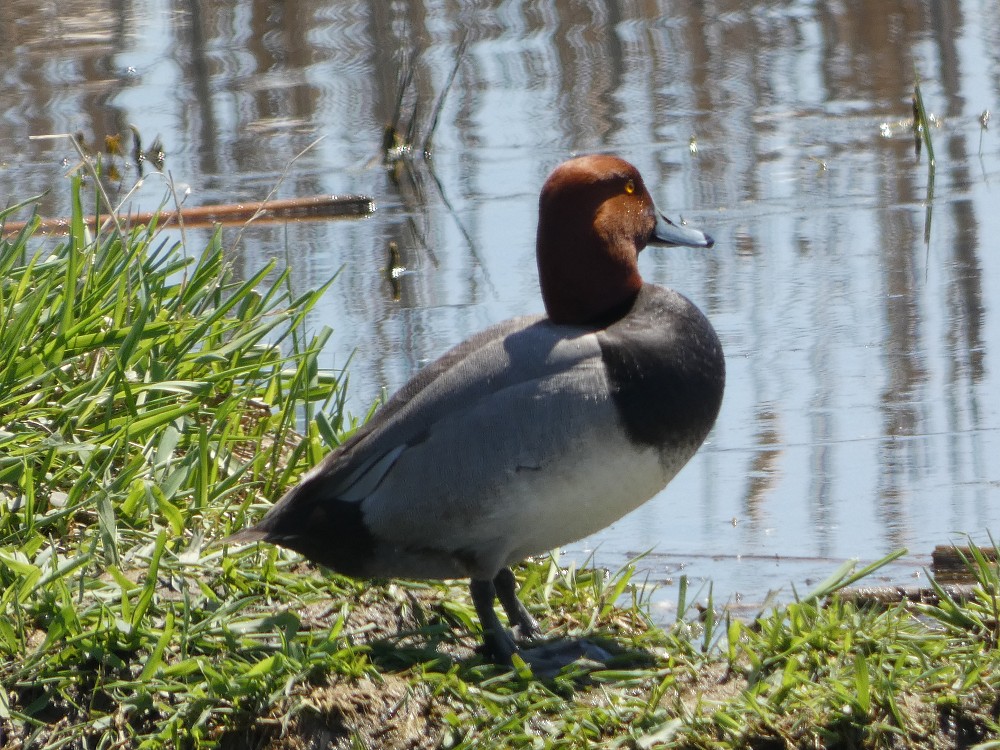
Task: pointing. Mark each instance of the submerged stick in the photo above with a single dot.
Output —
(316, 207)
(886, 595)
(953, 571)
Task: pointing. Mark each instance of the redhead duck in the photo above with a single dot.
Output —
(533, 433)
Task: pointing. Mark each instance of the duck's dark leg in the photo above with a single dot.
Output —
(519, 617)
(498, 640)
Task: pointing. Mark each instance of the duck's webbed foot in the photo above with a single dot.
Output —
(545, 659)
(549, 659)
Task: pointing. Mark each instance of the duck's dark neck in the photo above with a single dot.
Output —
(613, 314)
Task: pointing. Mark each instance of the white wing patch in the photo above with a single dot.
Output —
(364, 480)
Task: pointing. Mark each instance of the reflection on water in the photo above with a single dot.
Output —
(862, 411)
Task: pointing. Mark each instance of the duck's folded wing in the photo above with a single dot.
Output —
(445, 479)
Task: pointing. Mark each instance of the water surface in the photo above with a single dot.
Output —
(857, 310)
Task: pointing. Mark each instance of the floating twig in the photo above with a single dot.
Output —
(921, 123)
(922, 131)
(316, 207)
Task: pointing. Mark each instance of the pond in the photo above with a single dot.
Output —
(857, 298)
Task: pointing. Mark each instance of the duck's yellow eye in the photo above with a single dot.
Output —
(630, 187)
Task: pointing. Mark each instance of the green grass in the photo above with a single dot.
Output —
(151, 403)
(145, 405)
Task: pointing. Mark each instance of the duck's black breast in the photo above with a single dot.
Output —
(666, 369)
